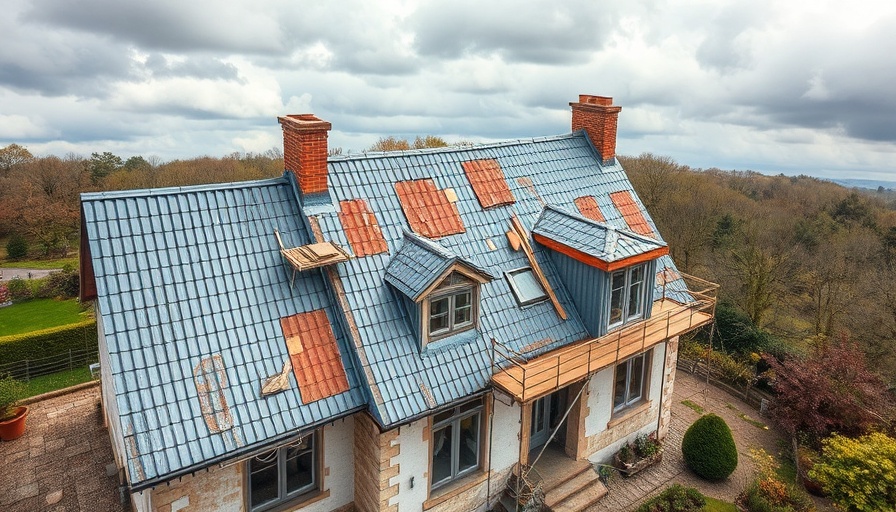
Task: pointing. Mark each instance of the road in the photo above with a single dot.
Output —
(24, 273)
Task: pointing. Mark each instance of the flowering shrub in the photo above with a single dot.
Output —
(859, 474)
(767, 493)
(5, 296)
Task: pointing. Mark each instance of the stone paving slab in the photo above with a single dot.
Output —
(60, 462)
(627, 493)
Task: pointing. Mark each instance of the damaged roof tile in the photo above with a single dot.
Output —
(487, 180)
(315, 357)
(427, 209)
(361, 228)
(632, 214)
(588, 207)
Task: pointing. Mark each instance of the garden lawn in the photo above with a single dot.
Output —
(38, 314)
(61, 380)
(714, 505)
(40, 264)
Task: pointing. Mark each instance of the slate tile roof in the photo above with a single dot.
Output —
(361, 228)
(427, 209)
(632, 213)
(191, 288)
(551, 170)
(488, 182)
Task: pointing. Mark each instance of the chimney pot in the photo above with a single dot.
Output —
(305, 150)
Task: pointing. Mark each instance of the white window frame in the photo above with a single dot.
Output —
(629, 399)
(451, 292)
(459, 413)
(283, 496)
(626, 296)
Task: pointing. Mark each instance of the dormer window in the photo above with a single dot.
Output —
(627, 295)
(452, 306)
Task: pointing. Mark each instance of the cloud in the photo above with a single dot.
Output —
(545, 32)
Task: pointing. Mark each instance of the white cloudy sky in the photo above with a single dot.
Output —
(770, 85)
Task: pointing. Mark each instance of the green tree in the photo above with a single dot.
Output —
(103, 164)
(16, 247)
(859, 474)
(136, 163)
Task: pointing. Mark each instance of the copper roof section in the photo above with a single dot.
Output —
(588, 207)
(631, 213)
(427, 209)
(487, 180)
(315, 357)
(361, 228)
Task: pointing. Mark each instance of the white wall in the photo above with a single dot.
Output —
(600, 408)
(505, 433)
(339, 457)
(413, 464)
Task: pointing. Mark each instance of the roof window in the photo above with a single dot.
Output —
(525, 286)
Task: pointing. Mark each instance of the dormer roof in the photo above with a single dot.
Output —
(597, 244)
(421, 263)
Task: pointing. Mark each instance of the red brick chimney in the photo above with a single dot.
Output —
(597, 116)
(305, 150)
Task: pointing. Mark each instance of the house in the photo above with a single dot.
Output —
(396, 331)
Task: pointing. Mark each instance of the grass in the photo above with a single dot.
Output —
(40, 264)
(714, 505)
(38, 314)
(61, 380)
(695, 407)
(751, 421)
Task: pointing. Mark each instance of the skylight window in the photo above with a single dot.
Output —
(525, 286)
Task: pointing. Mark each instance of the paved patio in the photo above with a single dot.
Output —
(60, 462)
(627, 493)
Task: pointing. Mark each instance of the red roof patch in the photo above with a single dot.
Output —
(428, 210)
(361, 228)
(314, 355)
(588, 207)
(487, 180)
(631, 212)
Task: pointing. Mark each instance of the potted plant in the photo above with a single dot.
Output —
(644, 452)
(12, 417)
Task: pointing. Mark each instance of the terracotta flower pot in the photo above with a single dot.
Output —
(14, 427)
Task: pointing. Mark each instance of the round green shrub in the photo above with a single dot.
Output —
(709, 448)
(16, 247)
(676, 498)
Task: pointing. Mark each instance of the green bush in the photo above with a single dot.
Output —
(709, 448)
(676, 498)
(859, 474)
(16, 247)
(768, 493)
(19, 289)
(64, 284)
(48, 342)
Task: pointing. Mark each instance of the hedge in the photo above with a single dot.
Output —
(48, 342)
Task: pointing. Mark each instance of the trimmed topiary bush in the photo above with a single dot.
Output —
(676, 498)
(709, 448)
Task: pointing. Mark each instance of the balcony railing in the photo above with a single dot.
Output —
(528, 379)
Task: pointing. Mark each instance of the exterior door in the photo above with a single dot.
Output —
(540, 429)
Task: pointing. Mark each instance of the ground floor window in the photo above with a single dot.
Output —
(282, 474)
(630, 386)
(456, 443)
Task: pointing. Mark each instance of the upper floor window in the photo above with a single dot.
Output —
(282, 474)
(629, 387)
(452, 306)
(525, 286)
(455, 443)
(626, 295)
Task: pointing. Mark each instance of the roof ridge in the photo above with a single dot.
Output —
(371, 155)
(430, 245)
(149, 192)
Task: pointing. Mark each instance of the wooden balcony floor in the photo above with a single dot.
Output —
(559, 368)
